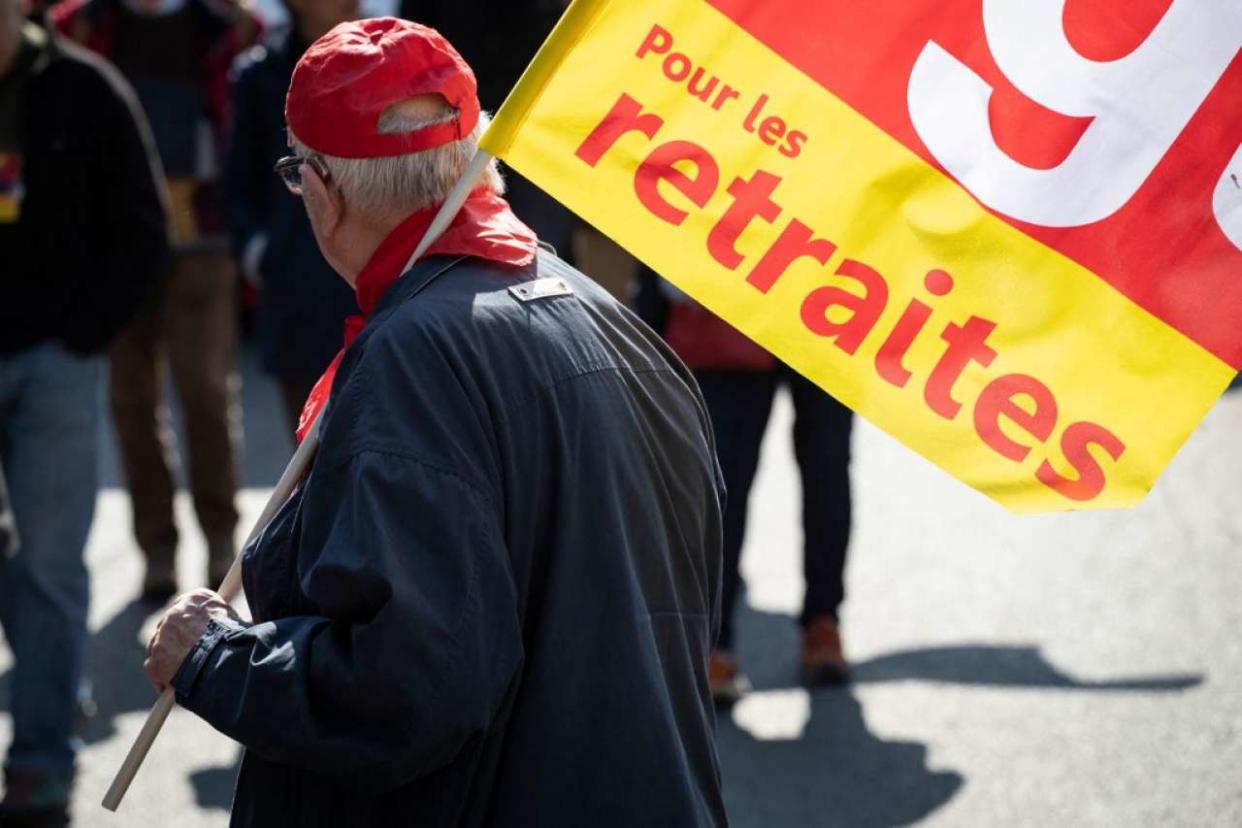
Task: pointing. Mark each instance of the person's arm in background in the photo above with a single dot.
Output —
(247, 169)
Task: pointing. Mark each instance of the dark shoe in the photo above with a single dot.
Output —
(220, 556)
(821, 658)
(159, 585)
(35, 800)
(727, 685)
(52, 817)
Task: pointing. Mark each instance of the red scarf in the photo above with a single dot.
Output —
(485, 227)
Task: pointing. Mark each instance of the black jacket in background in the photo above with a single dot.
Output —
(91, 243)
(498, 40)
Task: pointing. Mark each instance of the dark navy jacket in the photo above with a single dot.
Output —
(491, 602)
(303, 302)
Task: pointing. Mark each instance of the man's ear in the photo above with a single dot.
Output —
(323, 203)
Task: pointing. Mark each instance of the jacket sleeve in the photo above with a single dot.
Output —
(414, 646)
(247, 168)
(134, 253)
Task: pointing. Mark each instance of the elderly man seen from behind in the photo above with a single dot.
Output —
(492, 599)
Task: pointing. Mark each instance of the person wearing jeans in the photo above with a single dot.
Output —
(84, 244)
(51, 402)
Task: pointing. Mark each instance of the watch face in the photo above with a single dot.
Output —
(11, 188)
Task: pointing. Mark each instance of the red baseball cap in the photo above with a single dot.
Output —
(351, 75)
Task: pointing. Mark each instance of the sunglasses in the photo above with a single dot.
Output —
(289, 169)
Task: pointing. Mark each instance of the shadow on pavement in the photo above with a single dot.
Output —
(114, 664)
(213, 787)
(834, 773)
(831, 770)
(999, 666)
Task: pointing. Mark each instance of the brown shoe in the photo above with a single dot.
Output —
(821, 659)
(727, 685)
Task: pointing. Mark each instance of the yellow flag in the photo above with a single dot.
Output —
(946, 237)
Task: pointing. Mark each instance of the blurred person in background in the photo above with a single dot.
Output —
(739, 380)
(176, 54)
(302, 302)
(498, 40)
(83, 244)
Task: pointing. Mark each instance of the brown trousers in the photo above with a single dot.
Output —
(195, 327)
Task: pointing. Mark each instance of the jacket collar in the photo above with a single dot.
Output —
(485, 228)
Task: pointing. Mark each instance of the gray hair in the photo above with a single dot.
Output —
(395, 186)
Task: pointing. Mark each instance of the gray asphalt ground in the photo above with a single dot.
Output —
(1065, 670)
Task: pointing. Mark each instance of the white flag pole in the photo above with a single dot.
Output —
(230, 588)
